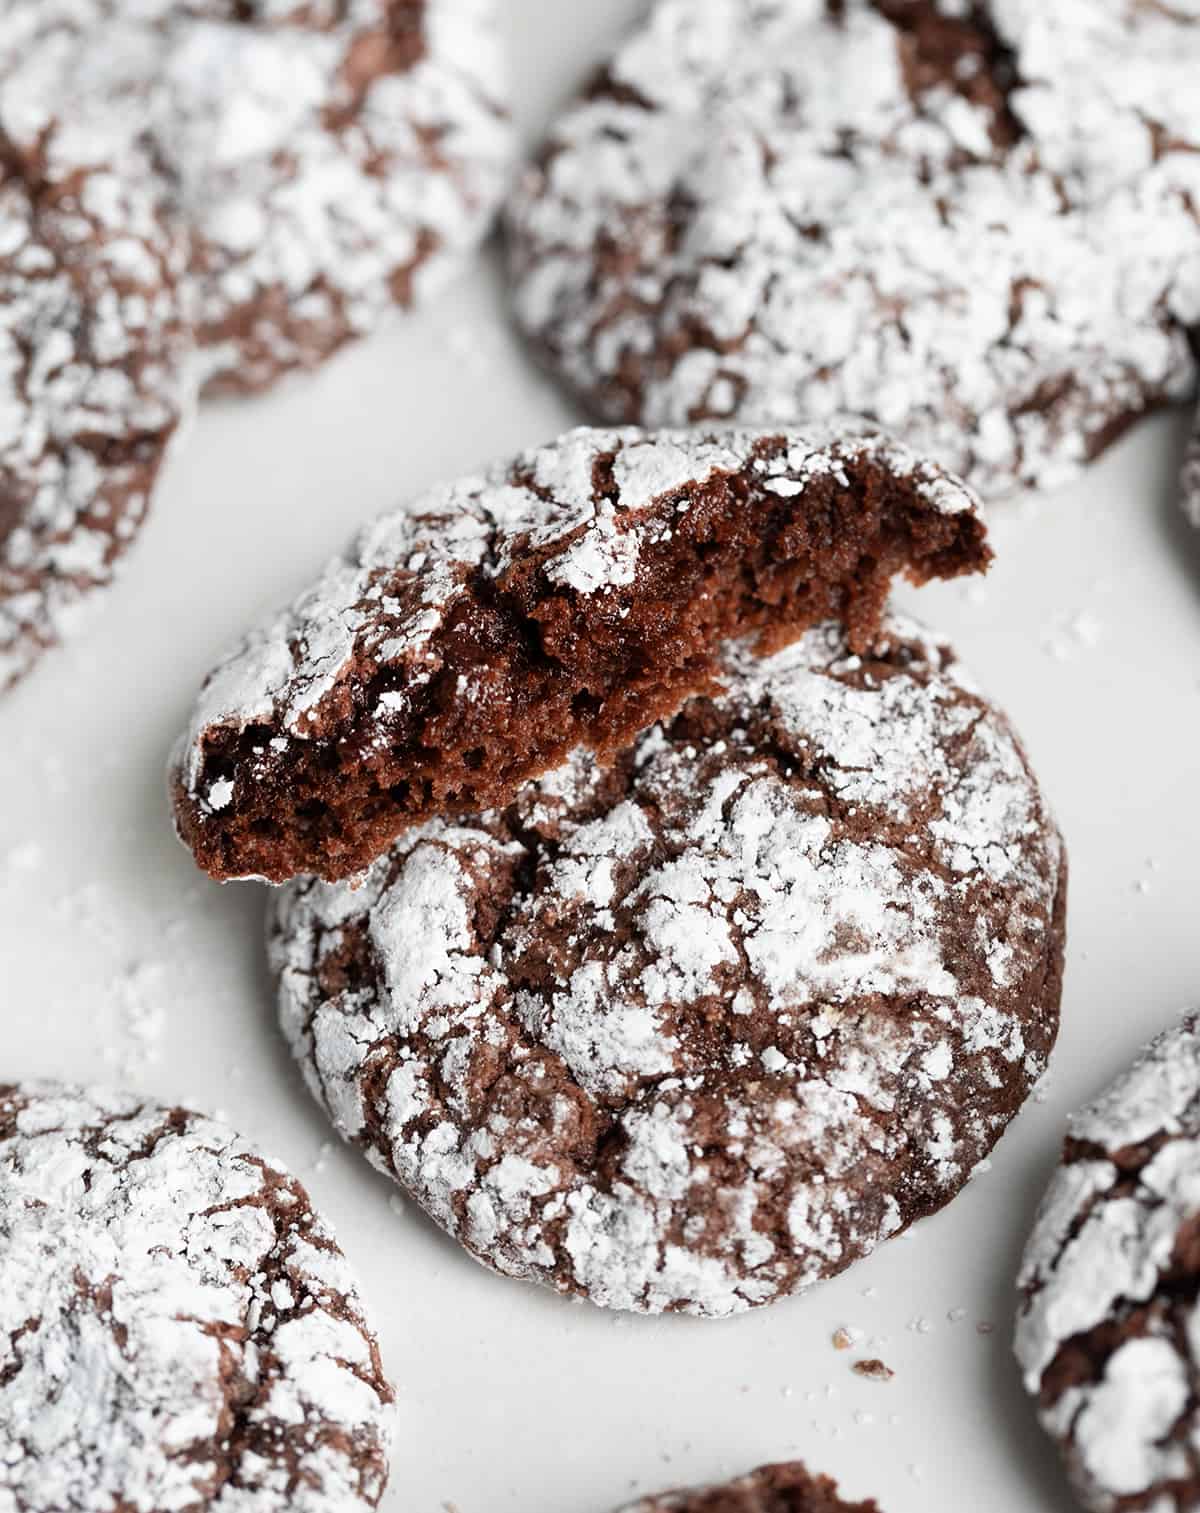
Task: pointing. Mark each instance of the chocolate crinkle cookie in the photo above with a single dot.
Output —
(973, 222)
(574, 595)
(178, 1329)
(329, 159)
(92, 352)
(787, 1488)
(1108, 1336)
(695, 1030)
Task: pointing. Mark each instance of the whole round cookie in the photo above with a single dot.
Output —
(178, 1328)
(330, 160)
(786, 1488)
(1108, 1336)
(697, 1030)
(774, 211)
(92, 353)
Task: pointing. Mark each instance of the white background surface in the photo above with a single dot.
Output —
(121, 963)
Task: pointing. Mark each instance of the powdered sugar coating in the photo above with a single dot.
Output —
(765, 211)
(587, 506)
(698, 1031)
(1108, 1336)
(91, 358)
(330, 161)
(178, 1330)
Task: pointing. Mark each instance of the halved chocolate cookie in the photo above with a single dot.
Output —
(573, 595)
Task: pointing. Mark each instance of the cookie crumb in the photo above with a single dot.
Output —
(873, 1370)
(846, 1338)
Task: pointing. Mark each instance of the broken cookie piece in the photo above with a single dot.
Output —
(569, 598)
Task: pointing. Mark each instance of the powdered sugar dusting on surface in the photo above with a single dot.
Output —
(177, 1328)
(688, 1034)
(761, 214)
(91, 353)
(383, 605)
(330, 162)
(1102, 1276)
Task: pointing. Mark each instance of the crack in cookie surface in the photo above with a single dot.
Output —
(92, 350)
(696, 1030)
(785, 1488)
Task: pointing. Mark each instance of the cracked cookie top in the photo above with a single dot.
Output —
(698, 1029)
(1108, 1336)
(1190, 475)
(763, 211)
(328, 160)
(178, 1328)
(92, 352)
